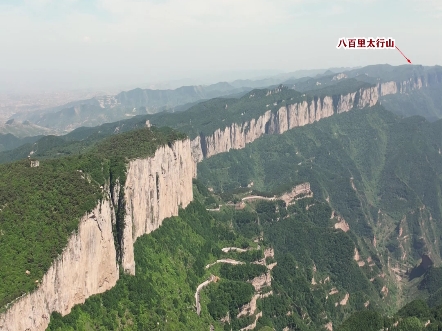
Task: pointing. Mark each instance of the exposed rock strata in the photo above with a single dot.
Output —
(155, 188)
(236, 136)
(87, 266)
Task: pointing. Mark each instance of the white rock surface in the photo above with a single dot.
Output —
(88, 264)
(155, 189)
(236, 136)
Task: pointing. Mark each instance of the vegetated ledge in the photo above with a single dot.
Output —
(236, 136)
(137, 195)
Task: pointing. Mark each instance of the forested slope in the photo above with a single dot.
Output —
(314, 278)
(42, 206)
(382, 174)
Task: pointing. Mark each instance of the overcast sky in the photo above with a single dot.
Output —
(100, 43)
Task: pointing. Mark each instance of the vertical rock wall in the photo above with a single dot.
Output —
(236, 136)
(155, 188)
(87, 266)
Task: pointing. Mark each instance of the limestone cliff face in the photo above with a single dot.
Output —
(236, 135)
(155, 188)
(87, 266)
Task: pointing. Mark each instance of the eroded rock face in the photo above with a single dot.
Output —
(236, 136)
(87, 266)
(155, 188)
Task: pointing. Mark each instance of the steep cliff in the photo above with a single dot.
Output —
(288, 117)
(155, 188)
(87, 266)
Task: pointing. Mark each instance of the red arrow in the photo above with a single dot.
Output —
(408, 60)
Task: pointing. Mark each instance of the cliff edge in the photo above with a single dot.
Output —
(155, 188)
(236, 136)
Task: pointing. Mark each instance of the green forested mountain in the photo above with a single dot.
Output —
(170, 264)
(41, 206)
(353, 256)
(9, 141)
(105, 109)
(383, 174)
(394, 163)
(204, 117)
(73, 143)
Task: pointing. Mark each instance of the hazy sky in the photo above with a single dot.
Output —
(100, 43)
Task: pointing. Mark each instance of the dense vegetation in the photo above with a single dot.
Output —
(428, 100)
(307, 248)
(78, 141)
(415, 316)
(169, 265)
(381, 173)
(9, 141)
(40, 207)
(227, 297)
(242, 272)
(363, 161)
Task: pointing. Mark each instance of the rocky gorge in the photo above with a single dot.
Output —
(155, 188)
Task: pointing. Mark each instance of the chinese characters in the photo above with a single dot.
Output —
(365, 43)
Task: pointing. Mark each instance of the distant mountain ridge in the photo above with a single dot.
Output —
(8, 141)
(138, 101)
(204, 118)
(154, 100)
(21, 129)
(375, 177)
(102, 109)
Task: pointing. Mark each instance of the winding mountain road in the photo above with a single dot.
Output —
(197, 293)
(230, 261)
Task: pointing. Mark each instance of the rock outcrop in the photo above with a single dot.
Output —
(155, 188)
(87, 266)
(236, 136)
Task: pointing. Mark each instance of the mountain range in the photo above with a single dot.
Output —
(314, 204)
(109, 108)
